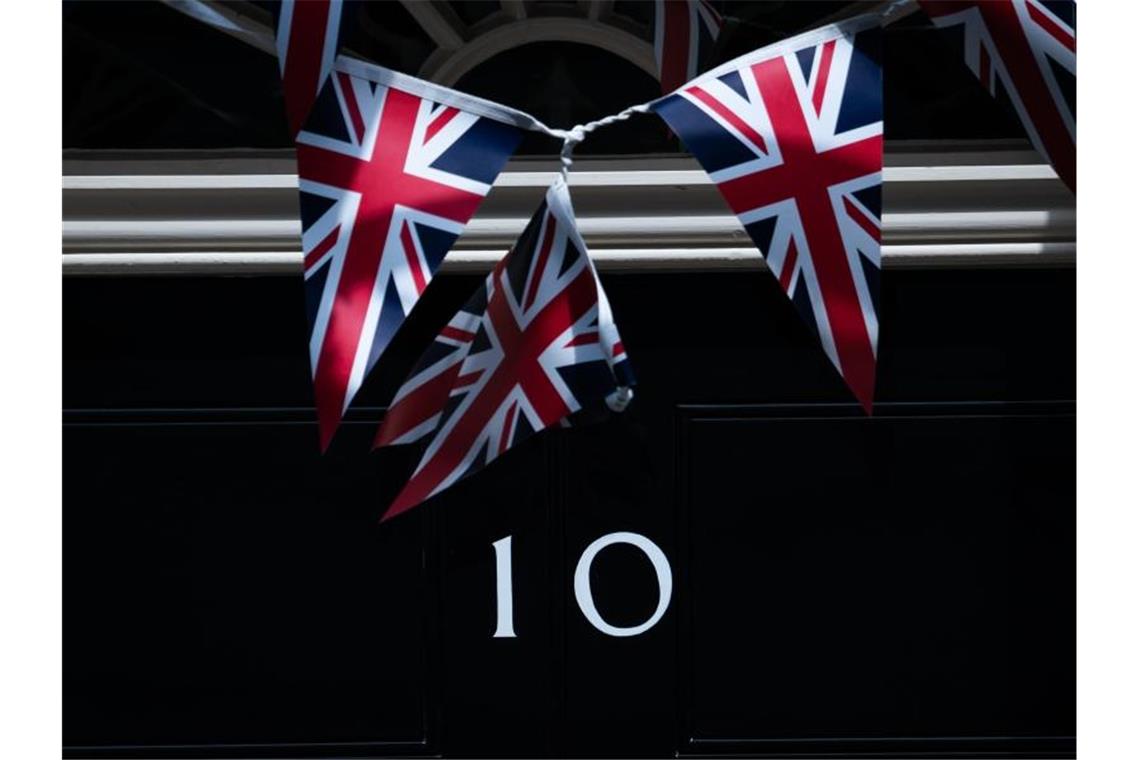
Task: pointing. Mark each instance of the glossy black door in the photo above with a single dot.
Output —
(899, 584)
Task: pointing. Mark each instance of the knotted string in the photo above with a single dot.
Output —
(576, 134)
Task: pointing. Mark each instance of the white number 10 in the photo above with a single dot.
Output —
(504, 585)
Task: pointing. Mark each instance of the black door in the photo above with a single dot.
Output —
(835, 583)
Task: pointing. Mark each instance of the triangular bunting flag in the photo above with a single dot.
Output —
(1026, 52)
(391, 169)
(793, 137)
(533, 346)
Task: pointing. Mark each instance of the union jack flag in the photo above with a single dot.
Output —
(683, 33)
(1024, 52)
(391, 169)
(534, 345)
(308, 33)
(793, 137)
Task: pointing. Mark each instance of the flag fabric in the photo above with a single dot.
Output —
(792, 135)
(391, 169)
(307, 36)
(1024, 52)
(533, 346)
(683, 33)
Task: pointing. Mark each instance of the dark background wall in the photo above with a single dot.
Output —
(899, 584)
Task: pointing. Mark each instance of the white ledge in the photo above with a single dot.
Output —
(607, 259)
(199, 213)
(80, 236)
(988, 173)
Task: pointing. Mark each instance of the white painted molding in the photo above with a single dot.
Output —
(192, 213)
(661, 231)
(625, 260)
(996, 173)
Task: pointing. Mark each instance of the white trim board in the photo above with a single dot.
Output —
(624, 260)
(202, 213)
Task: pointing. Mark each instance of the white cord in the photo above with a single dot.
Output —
(576, 134)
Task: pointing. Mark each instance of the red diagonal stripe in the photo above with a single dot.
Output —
(465, 380)
(540, 264)
(413, 258)
(440, 121)
(789, 266)
(313, 256)
(822, 74)
(739, 124)
(456, 334)
(861, 219)
(353, 107)
(420, 405)
(582, 339)
(1050, 25)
